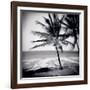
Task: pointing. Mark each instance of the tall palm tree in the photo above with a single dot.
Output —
(52, 34)
(72, 24)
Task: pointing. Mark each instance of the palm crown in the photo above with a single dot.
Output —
(52, 35)
(72, 24)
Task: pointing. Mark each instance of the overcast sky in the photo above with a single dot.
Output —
(28, 24)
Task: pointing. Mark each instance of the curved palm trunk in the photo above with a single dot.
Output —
(58, 58)
(78, 47)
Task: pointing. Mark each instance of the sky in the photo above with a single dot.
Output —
(28, 24)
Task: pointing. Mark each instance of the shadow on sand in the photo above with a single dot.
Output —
(48, 72)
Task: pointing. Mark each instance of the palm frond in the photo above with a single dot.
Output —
(47, 21)
(54, 17)
(62, 18)
(56, 25)
(64, 42)
(64, 36)
(43, 25)
(43, 40)
(50, 18)
(38, 22)
(47, 28)
(69, 43)
(72, 21)
(69, 21)
(40, 45)
(63, 23)
(41, 34)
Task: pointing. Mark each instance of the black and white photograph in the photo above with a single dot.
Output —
(50, 44)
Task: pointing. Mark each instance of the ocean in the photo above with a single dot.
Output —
(47, 54)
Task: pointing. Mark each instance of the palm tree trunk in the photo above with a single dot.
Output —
(78, 47)
(58, 58)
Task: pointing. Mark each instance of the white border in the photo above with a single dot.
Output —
(51, 79)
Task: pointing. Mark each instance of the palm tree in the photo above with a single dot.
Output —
(52, 34)
(72, 24)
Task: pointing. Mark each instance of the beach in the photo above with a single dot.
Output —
(45, 64)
